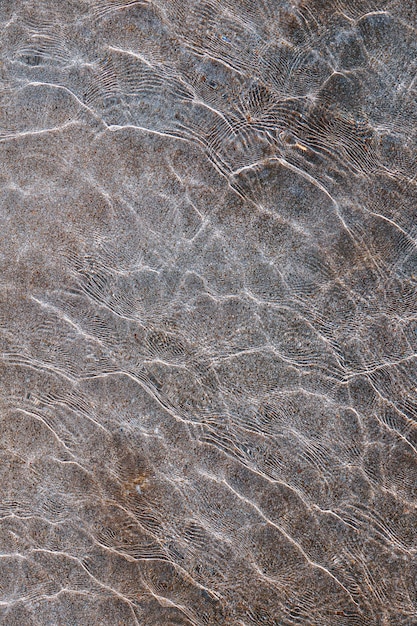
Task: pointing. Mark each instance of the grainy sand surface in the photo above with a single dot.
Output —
(208, 313)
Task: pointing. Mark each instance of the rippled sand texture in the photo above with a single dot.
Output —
(208, 313)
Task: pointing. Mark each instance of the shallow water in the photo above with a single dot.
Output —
(208, 313)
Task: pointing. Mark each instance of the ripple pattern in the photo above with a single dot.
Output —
(208, 313)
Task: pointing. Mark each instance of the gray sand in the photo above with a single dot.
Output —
(208, 313)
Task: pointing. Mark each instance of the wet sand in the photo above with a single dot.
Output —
(208, 313)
